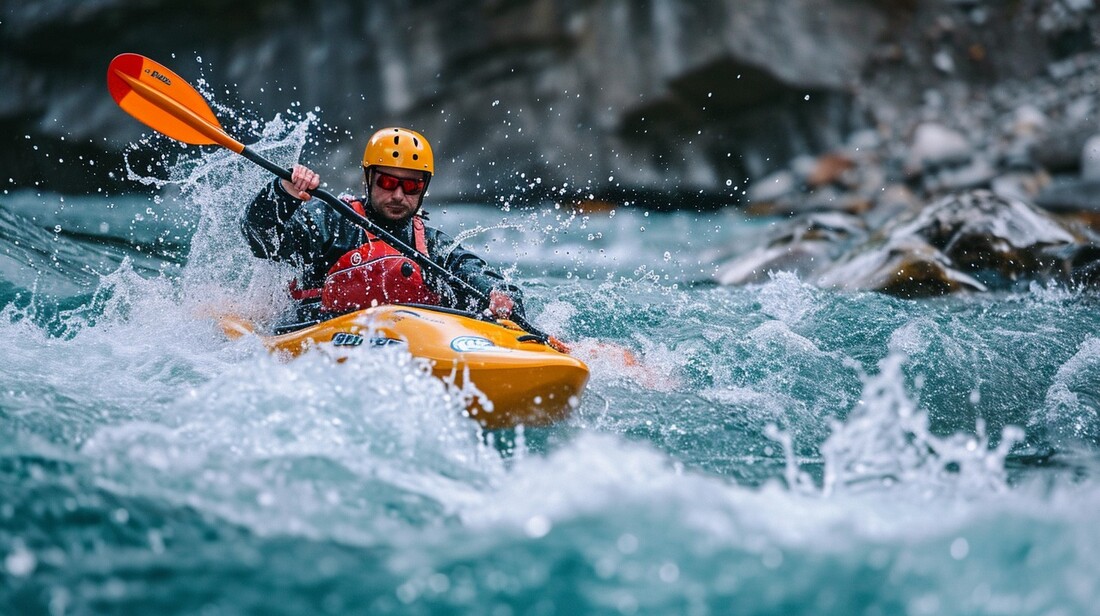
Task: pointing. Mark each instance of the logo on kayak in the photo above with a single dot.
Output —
(346, 339)
(473, 344)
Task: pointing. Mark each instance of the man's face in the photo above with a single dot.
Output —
(394, 204)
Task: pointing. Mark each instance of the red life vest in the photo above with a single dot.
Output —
(373, 274)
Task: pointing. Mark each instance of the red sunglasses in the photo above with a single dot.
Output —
(386, 181)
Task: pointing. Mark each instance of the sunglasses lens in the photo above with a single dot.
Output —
(389, 182)
(386, 182)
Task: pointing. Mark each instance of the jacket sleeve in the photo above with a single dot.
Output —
(476, 272)
(265, 222)
(281, 227)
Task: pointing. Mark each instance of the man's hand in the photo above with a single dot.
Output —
(500, 305)
(302, 180)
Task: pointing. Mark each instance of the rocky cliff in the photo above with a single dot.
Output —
(670, 103)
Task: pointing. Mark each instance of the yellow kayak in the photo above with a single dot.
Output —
(527, 381)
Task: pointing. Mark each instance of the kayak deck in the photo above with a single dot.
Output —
(526, 381)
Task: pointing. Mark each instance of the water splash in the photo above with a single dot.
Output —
(1071, 410)
(886, 441)
(307, 448)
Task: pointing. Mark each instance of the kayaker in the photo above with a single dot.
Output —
(341, 268)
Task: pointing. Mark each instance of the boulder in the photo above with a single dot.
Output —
(906, 267)
(1090, 159)
(935, 145)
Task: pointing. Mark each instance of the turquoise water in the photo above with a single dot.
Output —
(780, 449)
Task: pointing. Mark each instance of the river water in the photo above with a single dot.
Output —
(780, 449)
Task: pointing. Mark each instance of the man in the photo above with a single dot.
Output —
(342, 267)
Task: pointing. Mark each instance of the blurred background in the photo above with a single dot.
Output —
(666, 103)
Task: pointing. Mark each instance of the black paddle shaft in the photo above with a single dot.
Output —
(367, 225)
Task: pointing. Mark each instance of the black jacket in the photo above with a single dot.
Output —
(312, 236)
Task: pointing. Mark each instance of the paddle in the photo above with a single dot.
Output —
(163, 101)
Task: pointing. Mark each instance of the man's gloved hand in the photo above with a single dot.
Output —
(500, 305)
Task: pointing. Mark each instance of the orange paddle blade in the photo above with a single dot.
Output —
(163, 101)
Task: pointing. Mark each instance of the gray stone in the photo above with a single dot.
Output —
(1090, 159)
(935, 145)
(772, 188)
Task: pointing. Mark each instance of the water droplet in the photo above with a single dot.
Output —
(21, 562)
(960, 548)
(537, 526)
(627, 543)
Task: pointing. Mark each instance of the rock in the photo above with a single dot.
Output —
(1003, 240)
(908, 267)
(1028, 121)
(772, 188)
(1090, 159)
(893, 202)
(1022, 185)
(978, 172)
(1085, 268)
(935, 145)
(801, 246)
(866, 140)
(830, 199)
(1059, 150)
(1073, 199)
(972, 241)
(1070, 196)
(802, 258)
(829, 169)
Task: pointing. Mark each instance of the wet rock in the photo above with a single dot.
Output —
(830, 169)
(1028, 121)
(971, 241)
(976, 173)
(1070, 195)
(906, 267)
(1060, 149)
(893, 202)
(772, 188)
(1090, 159)
(1085, 266)
(801, 246)
(934, 146)
(802, 258)
(981, 232)
(1024, 184)
(1073, 199)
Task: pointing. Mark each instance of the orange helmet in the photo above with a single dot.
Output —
(399, 147)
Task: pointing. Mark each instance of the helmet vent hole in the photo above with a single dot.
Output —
(416, 142)
(396, 139)
(416, 157)
(396, 154)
